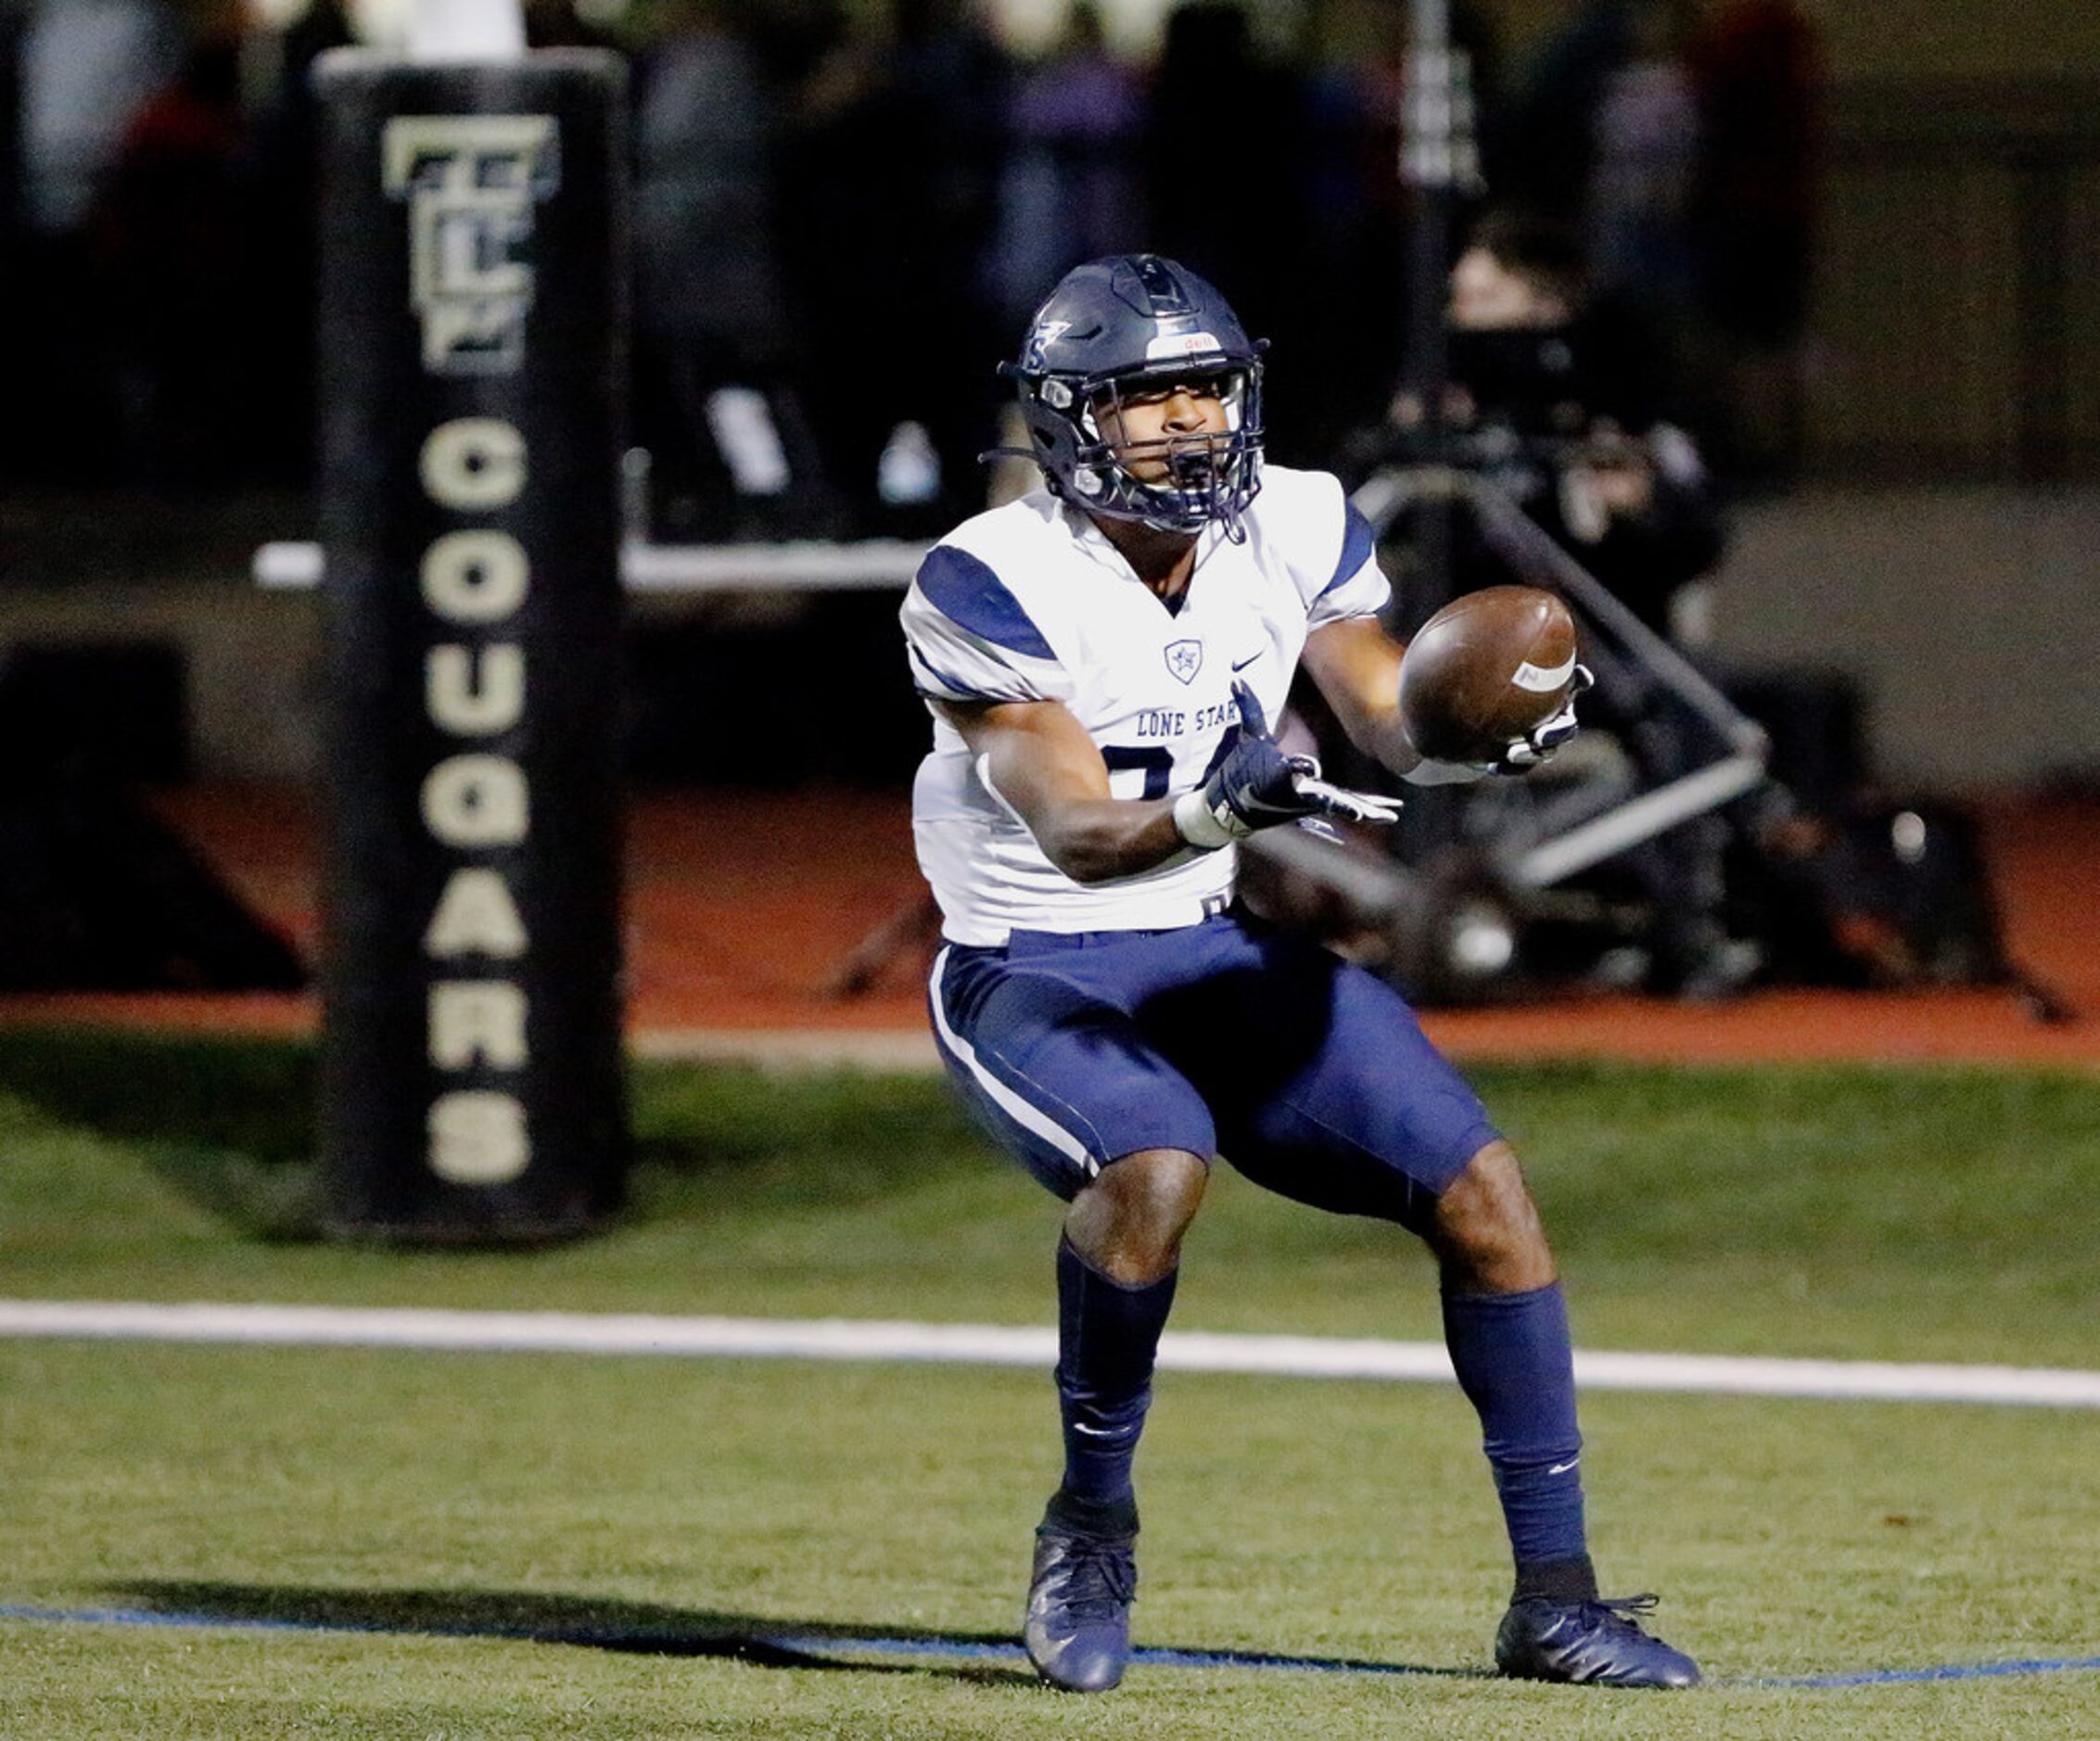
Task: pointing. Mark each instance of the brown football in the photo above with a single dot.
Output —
(1484, 671)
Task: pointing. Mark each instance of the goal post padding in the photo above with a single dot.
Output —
(473, 371)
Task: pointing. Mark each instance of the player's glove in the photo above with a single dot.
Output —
(1520, 756)
(1257, 786)
(1537, 744)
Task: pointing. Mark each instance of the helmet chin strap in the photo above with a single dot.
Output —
(1190, 463)
(1200, 465)
(1195, 468)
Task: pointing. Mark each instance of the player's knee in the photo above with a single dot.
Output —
(1128, 1223)
(1487, 1231)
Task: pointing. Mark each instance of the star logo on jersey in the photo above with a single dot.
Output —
(1185, 658)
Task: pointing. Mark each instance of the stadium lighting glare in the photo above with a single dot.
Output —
(1482, 941)
(465, 30)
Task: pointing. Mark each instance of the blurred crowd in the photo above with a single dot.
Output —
(844, 212)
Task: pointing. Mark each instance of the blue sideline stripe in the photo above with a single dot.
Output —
(967, 592)
(1946, 1672)
(196, 1622)
(1356, 546)
(1143, 1656)
(823, 1645)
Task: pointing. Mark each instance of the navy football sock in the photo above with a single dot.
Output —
(1107, 1336)
(1515, 1363)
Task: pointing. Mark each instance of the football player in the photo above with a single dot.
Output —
(1101, 659)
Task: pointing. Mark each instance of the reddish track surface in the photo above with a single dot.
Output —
(742, 909)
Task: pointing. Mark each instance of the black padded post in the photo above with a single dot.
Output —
(473, 370)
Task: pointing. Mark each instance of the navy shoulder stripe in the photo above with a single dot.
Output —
(957, 687)
(1357, 542)
(967, 592)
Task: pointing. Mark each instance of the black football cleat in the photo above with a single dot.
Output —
(1595, 1642)
(1077, 1626)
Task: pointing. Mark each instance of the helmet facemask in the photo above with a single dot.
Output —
(1173, 482)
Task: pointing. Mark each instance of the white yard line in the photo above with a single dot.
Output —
(992, 1345)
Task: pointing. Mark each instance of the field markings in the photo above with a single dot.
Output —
(826, 1649)
(994, 1345)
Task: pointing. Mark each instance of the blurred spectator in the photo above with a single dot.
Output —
(1758, 74)
(14, 234)
(1071, 191)
(1354, 211)
(173, 247)
(1647, 143)
(805, 198)
(282, 167)
(12, 21)
(792, 38)
(557, 24)
(83, 69)
(87, 68)
(1605, 130)
(891, 190)
(717, 405)
(1544, 142)
(1224, 161)
(1354, 268)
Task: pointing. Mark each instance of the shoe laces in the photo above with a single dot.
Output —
(1101, 1578)
(1618, 1611)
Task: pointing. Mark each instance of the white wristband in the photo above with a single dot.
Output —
(1198, 824)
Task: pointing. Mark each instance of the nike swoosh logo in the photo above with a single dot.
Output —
(1243, 664)
(1561, 1468)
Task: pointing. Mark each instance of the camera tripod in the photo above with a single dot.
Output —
(1491, 862)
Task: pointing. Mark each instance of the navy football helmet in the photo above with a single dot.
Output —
(1114, 329)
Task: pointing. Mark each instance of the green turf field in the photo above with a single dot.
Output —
(512, 1545)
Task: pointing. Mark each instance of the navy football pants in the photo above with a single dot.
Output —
(1310, 1076)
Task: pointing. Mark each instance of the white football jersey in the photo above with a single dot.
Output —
(1031, 603)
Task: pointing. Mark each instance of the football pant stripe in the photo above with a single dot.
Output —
(1031, 1118)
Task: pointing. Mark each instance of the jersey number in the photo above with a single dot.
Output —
(1157, 761)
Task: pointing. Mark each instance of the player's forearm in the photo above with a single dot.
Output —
(1049, 774)
(1378, 733)
(1356, 664)
(1097, 839)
